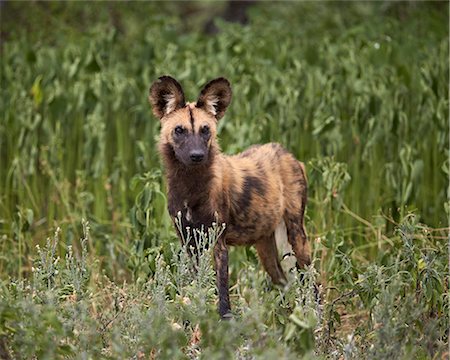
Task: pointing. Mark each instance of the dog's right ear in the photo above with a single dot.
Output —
(166, 95)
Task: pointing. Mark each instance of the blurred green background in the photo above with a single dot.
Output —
(358, 91)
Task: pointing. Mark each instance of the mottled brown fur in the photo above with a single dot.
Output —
(252, 192)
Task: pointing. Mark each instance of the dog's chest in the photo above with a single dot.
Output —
(194, 215)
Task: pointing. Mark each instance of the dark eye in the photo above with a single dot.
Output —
(205, 130)
(179, 130)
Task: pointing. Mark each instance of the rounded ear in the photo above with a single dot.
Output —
(215, 97)
(166, 95)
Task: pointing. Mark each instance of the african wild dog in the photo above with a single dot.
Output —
(253, 192)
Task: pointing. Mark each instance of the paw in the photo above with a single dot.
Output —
(227, 316)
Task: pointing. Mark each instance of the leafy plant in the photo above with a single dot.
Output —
(359, 93)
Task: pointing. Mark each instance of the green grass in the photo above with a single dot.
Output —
(358, 91)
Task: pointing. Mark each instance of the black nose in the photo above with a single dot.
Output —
(196, 156)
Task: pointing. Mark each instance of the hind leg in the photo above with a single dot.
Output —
(296, 184)
(268, 253)
(297, 238)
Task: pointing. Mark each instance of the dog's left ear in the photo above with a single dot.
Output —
(166, 95)
(215, 97)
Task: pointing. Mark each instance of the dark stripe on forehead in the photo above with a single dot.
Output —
(192, 118)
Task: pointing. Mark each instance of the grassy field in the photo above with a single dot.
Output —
(90, 265)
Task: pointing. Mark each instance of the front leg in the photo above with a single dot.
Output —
(221, 265)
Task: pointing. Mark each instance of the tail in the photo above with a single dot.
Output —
(285, 252)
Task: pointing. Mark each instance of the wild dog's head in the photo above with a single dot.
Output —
(188, 130)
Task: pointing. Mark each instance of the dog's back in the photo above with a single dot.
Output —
(265, 185)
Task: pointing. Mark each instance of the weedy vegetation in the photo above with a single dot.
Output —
(90, 265)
